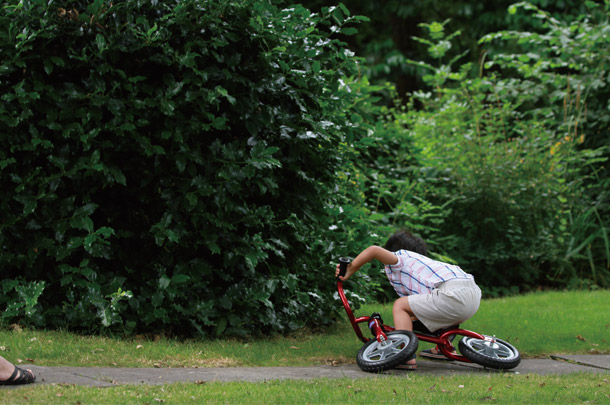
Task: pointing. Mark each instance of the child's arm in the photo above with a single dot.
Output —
(366, 256)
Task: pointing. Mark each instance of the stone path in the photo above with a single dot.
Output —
(112, 376)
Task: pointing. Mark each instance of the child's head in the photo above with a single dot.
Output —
(408, 241)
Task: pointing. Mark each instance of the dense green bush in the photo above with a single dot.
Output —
(171, 165)
(525, 195)
(196, 167)
(381, 186)
(563, 69)
(511, 180)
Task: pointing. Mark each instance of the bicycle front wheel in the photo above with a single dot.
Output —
(374, 356)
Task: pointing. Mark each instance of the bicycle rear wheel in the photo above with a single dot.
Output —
(490, 352)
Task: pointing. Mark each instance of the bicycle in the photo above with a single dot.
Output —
(391, 348)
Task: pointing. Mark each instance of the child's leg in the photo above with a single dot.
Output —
(402, 321)
(403, 313)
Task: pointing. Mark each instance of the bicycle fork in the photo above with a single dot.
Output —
(376, 326)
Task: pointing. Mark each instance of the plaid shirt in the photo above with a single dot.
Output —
(418, 274)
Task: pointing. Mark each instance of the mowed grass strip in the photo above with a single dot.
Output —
(537, 324)
(542, 323)
(493, 388)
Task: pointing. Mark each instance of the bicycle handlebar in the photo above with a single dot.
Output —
(343, 262)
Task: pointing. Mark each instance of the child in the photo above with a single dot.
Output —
(437, 294)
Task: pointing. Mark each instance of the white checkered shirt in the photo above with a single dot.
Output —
(418, 274)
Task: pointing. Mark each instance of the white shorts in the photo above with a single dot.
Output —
(452, 302)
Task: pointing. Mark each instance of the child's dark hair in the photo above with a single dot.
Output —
(406, 240)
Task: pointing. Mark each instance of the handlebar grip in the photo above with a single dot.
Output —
(343, 262)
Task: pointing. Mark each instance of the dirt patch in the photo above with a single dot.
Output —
(332, 361)
(219, 362)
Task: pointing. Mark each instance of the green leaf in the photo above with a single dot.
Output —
(164, 282)
(100, 42)
(349, 31)
(58, 61)
(221, 326)
(105, 231)
(29, 207)
(251, 260)
(82, 222)
(214, 247)
(152, 30)
(180, 278)
(95, 7)
(48, 66)
(303, 298)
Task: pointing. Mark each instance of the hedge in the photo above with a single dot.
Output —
(172, 165)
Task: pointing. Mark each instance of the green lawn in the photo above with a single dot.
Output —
(537, 324)
(544, 323)
(550, 322)
(493, 388)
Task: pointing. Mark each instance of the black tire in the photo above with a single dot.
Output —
(374, 357)
(499, 355)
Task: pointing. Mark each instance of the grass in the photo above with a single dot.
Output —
(493, 388)
(550, 322)
(537, 324)
(544, 323)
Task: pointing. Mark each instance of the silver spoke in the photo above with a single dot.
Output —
(382, 351)
(489, 348)
(504, 351)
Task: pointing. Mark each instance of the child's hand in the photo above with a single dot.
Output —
(347, 273)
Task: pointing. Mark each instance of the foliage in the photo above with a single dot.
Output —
(26, 298)
(522, 198)
(563, 315)
(171, 166)
(197, 167)
(380, 187)
(569, 61)
(523, 189)
(388, 40)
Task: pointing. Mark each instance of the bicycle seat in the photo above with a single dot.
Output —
(419, 327)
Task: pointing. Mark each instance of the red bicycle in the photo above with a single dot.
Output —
(391, 348)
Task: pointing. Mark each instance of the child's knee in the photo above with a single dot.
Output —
(398, 304)
(402, 304)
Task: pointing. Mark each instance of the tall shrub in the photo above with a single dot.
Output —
(386, 41)
(171, 165)
(508, 166)
(562, 71)
(381, 187)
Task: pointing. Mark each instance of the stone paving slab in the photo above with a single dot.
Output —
(113, 376)
(601, 361)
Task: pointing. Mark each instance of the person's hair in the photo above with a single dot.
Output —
(406, 240)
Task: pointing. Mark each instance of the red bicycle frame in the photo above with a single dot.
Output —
(442, 340)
